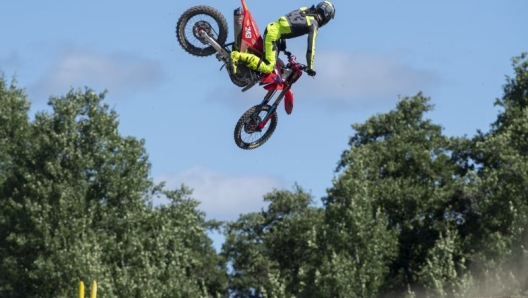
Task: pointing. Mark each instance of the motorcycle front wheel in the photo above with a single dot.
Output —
(247, 133)
(193, 21)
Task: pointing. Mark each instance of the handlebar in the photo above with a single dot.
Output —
(293, 60)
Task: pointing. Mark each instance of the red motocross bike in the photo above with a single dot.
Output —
(202, 31)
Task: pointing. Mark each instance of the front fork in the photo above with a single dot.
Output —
(273, 107)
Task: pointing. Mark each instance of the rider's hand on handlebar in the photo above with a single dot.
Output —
(310, 72)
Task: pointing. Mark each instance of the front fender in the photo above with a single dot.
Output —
(288, 101)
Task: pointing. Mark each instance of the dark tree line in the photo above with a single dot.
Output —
(411, 212)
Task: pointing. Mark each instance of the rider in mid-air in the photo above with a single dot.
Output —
(294, 24)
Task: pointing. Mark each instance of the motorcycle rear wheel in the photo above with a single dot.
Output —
(196, 18)
(247, 135)
(242, 76)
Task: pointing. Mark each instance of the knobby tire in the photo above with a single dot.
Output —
(239, 128)
(184, 40)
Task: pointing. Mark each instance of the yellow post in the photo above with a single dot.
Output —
(94, 289)
(81, 290)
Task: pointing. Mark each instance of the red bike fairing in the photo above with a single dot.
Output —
(251, 37)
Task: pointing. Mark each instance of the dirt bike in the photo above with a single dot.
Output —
(202, 31)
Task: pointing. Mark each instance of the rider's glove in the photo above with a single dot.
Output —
(310, 72)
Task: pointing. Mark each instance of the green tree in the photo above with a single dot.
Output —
(358, 246)
(500, 159)
(411, 178)
(77, 205)
(439, 274)
(14, 126)
(271, 252)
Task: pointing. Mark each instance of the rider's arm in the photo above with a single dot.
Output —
(312, 35)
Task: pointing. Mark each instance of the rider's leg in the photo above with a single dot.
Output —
(270, 46)
(254, 62)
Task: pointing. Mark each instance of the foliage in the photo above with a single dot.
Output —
(273, 247)
(410, 213)
(77, 205)
(501, 160)
(357, 244)
(406, 161)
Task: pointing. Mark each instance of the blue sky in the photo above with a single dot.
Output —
(456, 52)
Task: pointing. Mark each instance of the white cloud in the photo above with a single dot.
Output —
(116, 72)
(224, 196)
(346, 76)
